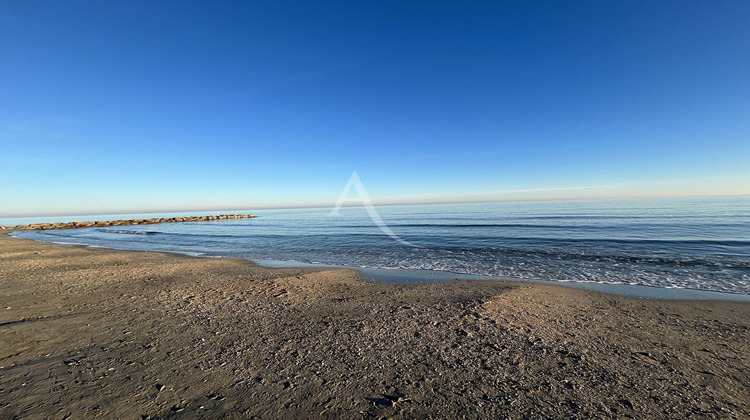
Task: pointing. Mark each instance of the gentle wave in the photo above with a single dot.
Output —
(542, 226)
(128, 232)
(534, 239)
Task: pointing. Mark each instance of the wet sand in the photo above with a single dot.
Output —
(88, 332)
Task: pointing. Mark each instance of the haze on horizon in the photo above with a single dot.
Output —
(144, 106)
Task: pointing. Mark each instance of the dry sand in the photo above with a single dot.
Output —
(100, 333)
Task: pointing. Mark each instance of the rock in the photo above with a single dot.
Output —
(73, 225)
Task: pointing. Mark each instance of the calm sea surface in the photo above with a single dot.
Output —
(694, 243)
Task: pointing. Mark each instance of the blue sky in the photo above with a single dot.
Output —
(141, 105)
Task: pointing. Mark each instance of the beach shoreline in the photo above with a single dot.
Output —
(100, 332)
(421, 276)
(424, 276)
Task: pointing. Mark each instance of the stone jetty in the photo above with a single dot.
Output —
(127, 222)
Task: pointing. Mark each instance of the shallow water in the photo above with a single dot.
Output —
(694, 243)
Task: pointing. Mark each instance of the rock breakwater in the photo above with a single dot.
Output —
(126, 222)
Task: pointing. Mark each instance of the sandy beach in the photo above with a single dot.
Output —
(87, 332)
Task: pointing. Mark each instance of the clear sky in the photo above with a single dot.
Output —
(180, 105)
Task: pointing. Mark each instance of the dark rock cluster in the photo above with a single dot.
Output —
(74, 225)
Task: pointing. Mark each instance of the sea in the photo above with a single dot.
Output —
(639, 247)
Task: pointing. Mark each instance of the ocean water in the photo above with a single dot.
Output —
(689, 243)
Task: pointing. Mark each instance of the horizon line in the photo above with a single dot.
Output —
(377, 204)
